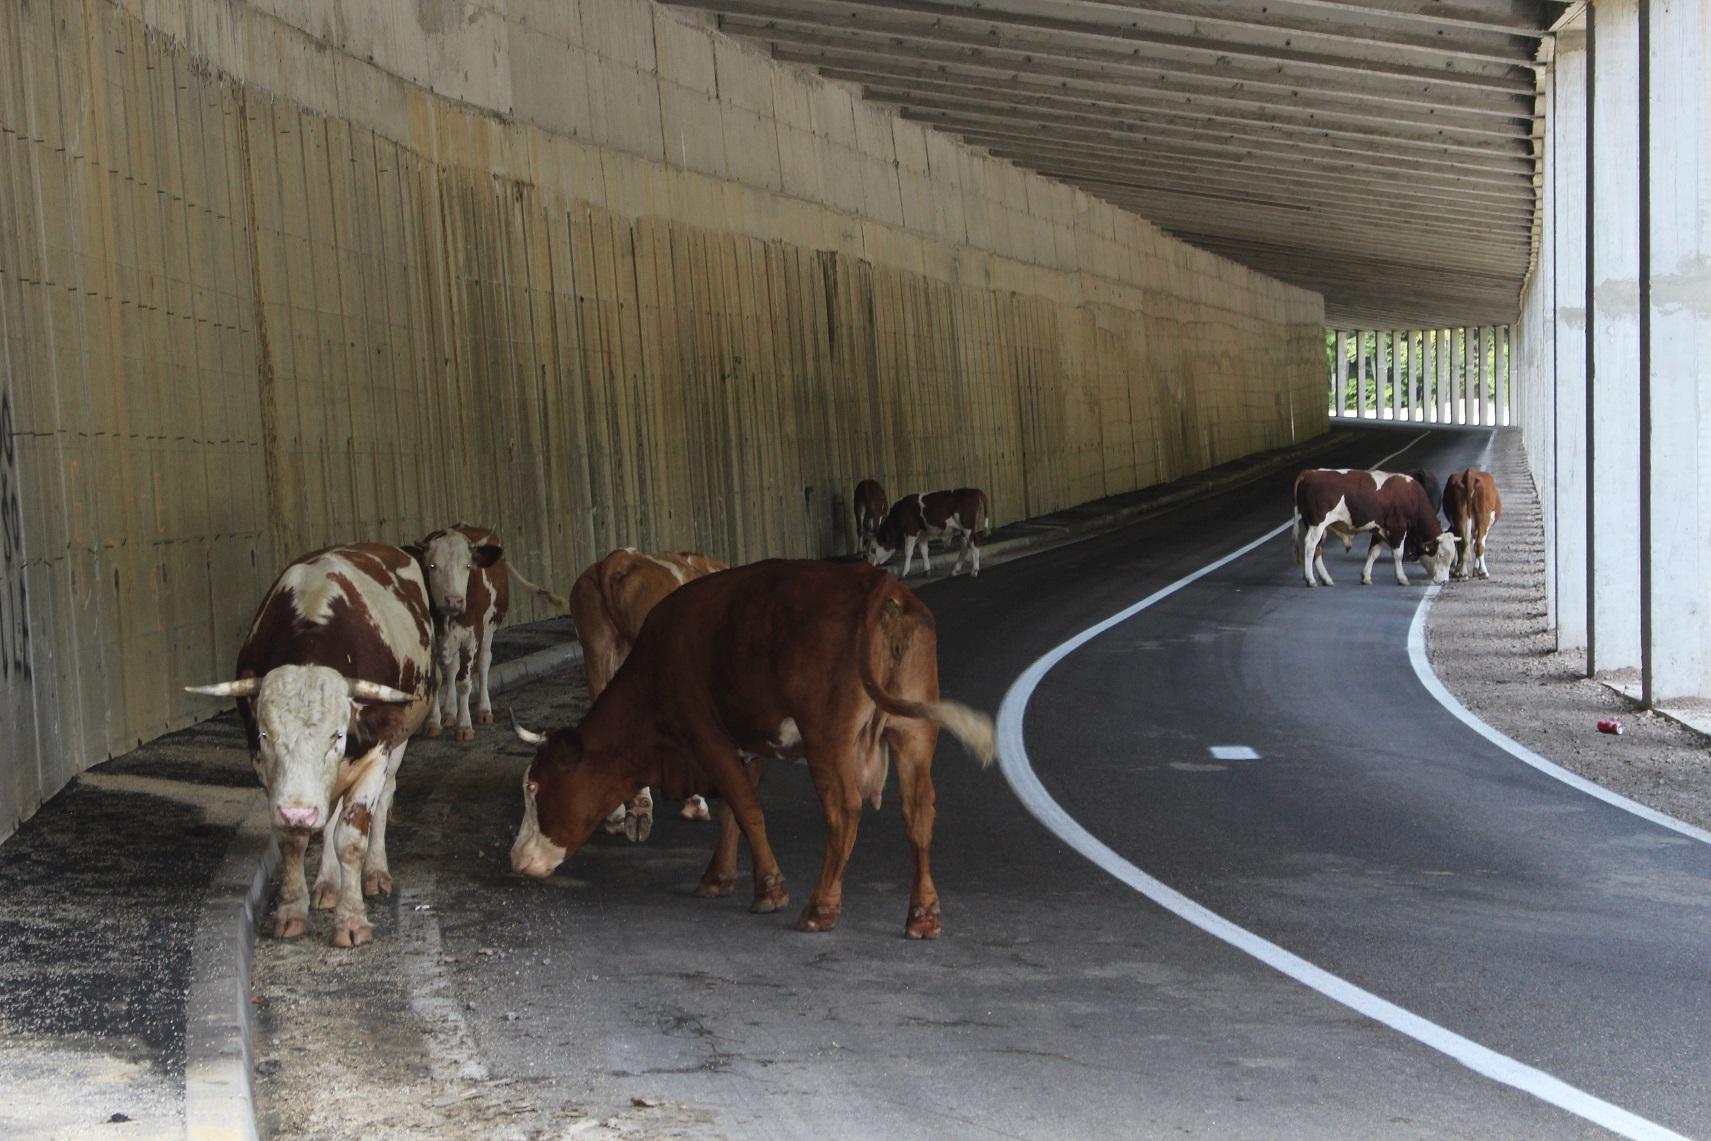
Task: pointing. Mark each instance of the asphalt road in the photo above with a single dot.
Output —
(1374, 836)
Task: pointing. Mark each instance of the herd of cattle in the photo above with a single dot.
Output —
(828, 663)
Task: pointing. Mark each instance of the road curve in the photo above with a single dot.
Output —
(1374, 836)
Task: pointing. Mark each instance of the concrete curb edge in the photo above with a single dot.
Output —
(219, 1024)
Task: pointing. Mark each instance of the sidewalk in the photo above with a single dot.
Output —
(128, 903)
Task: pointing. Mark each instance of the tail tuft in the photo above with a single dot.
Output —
(970, 726)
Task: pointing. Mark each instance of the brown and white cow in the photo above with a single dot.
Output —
(469, 590)
(925, 516)
(870, 505)
(836, 664)
(1473, 506)
(1393, 507)
(609, 603)
(335, 675)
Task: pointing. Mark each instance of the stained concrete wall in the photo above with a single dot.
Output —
(279, 273)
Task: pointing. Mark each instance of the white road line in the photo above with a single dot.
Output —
(1013, 760)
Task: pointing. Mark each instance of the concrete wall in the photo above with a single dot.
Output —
(280, 273)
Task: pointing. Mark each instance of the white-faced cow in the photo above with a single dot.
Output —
(609, 603)
(334, 676)
(836, 664)
(1473, 506)
(1393, 507)
(925, 516)
(469, 589)
(870, 504)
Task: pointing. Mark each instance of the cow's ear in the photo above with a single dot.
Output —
(416, 551)
(487, 554)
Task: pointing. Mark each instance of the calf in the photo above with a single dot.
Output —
(609, 603)
(333, 678)
(869, 511)
(923, 517)
(469, 591)
(1473, 506)
(1393, 507)
(836, 664)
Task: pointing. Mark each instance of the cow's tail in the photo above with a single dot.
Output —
(985, 517)
(536, 588)
(888, 635)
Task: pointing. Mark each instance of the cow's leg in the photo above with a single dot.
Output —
(1319, 565)
(720, 878)
(441, 710)
(292, 917)
(908, 554)
(326, 893)
(724, 767)
(974, 542)
(1312, 558)
(1371, 557)
(351, 840)
(1401, 574)
(961, 553)
(833, 768)
(926, 542)
(912, 745)
(377, 874)
(465, 670)
(484, 664)
(1464, 558)
(1484, 571)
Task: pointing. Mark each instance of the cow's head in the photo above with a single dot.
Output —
(449, 557)
(1438, 556)
(566, 794)
(301, 718)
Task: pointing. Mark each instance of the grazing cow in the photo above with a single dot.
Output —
(870, 504)
(609, 603)
(469, 590)
(836, 664)
(334, 676)
(1392, 506)
(1473, 506)
(925, 516)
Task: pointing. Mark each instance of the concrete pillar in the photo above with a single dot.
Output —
(1475, 375)
(1613, 508)
(1360, 369)
(1432, 355)
(1678, 507)
(1568, 219)
(1416, 350)
(1340, 374)
(1396, 358)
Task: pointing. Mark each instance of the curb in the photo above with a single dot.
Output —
(219, 1024)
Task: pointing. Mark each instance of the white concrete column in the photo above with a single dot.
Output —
(1360, 373)
(1475, 374)
(1678, 625)
(1613, 530)
(1340, 373)
(1396, 374)
(1432, 356)
(1568, 220)
(1416, 350)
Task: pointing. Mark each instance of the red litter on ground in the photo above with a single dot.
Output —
(1611, 726)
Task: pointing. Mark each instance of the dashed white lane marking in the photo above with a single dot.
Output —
(1232, 753)
(1013, 760)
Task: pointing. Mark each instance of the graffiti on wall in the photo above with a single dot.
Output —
(14, 611)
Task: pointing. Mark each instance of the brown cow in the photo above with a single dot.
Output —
(870, 504)
(469, 588)
(925, 516)
(332, 679)
(1473, 506)
(836, 664)
(1393, 507)
(609, 603)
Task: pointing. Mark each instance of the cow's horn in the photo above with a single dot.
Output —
(371, 691)
(244, 688)
(527, 736)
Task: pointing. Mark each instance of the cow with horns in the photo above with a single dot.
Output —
(333, 678)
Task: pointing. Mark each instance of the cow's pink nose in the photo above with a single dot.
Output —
(298, 815)
(454, 602)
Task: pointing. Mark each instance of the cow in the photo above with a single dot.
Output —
(334, 676)
(469, 591)
(833, 664)
(925, 516)
(870, 505)
(609, 603)
(1392, 506)
(1473, 506)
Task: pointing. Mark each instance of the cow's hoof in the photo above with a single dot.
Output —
(432, 729)
(325, 895)
(638, 826)
(614, 827)
(448, 721)
(695, 809)
(715, 887)
(923, 923)
(352, 931)
(484, 717)
(290, 926)
(817, 918)
(466, 733)
(773, 896)
(377, 881)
